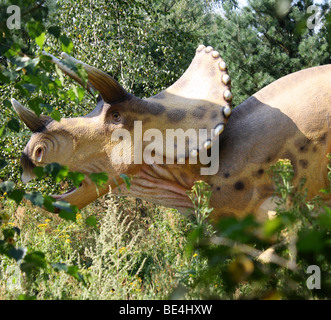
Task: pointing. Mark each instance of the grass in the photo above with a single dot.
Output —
(137, 251)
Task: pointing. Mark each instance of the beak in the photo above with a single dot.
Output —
(27, 176)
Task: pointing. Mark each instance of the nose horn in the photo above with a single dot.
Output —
(33, 122)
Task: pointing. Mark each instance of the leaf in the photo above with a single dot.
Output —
(48, 203)
(310, 241)
(56, 115)
(71, 93)
(193, 240)
(35, 197)
(80, 93)
(18, 254)
(76, 177)
(63, 172)
(34, 104)
(63, 205)
(67, 211)
(3, 163)
(40, 40)
(14, 125)
(35, 28)
(7, 104)
(99, 179)
(30, 87)
(73, 271)
(126, 180)
(59, 73)
(17, 195)
(238, 229)
(69, 216)
(60, 266)
(52, 169)
(55, 31)
(21, 62)
(324, 219)
(10, 233)
(33, 262)
(91, 221)
(70, 270)
(7, 186)
(39, 171)
(82, 73)
(66, 44)
(3, 78)
(11, 74)
(46, 106)
(22, 90)
(270, 227)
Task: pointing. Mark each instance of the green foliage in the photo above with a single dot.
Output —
(267, 40)
(99, 179)
(303, 232)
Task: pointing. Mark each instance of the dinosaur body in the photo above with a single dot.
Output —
(265, 128)
(290, 119)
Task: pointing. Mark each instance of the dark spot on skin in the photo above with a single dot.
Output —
(199, 112)
(155, 109)
(218, 188)
(258, 174)
(322, 138)
(226, 175)
(213, 115)
(303, 163)
(176, 115)
(142, 107)
(272, 156)
(302, 144)
(239, 185)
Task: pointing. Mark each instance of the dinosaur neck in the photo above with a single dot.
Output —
(162, 184)
(182, 126)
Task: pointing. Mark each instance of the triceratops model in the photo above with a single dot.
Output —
(185, 133)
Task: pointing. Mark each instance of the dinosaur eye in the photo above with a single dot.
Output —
(39, 154)
(116, 116)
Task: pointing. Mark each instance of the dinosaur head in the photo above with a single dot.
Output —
(123, 131)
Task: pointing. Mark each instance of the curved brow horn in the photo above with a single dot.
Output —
(33, 122)
(109, 89)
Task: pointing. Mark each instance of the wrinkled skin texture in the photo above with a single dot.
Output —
(290, 118)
